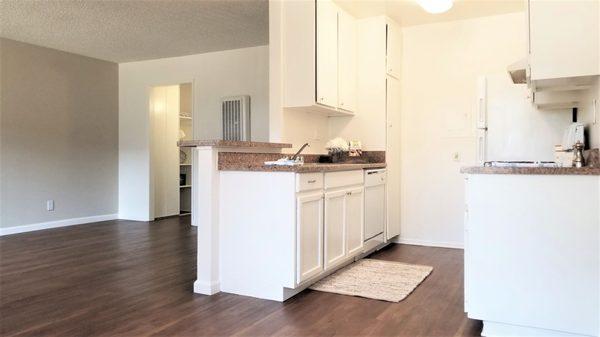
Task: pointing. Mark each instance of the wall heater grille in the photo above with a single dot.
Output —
(236, 117)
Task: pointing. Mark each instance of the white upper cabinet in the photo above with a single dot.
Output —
(318, 53)
(347, 54)
(327, 53)
(394, 49)
(563, 38)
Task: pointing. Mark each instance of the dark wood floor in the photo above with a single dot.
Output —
(121, 278)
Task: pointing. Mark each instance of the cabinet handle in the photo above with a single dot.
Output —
(312, 181)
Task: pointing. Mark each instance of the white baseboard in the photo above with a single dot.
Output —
(56, 224)
(427, 243)
(205, 288)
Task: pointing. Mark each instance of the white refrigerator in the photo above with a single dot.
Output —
(510, 128)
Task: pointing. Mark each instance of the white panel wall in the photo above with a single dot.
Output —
(441, 63)
(214, 75)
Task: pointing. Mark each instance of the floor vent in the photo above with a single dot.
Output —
(236, 117)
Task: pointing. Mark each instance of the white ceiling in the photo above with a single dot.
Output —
(409, 13)
(127, 30)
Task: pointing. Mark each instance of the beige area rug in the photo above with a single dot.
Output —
(377, 279)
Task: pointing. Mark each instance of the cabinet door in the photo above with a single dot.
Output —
(394, 50)
(335, 229)
(563, 38)
(354, 215)
(327, 67)
(309, 224)
(347, 62)
(393, 158)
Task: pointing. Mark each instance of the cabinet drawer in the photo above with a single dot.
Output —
(343, 178)
(309, 181)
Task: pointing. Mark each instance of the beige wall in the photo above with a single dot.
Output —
(59, 135)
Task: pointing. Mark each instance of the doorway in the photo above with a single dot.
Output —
(171, 120)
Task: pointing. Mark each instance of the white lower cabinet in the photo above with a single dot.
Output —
(344, 225)
(309, 235)
(330, 221)
(354, 217)
(335, 228)
(281, 231)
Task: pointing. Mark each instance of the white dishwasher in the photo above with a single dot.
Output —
(375, 213)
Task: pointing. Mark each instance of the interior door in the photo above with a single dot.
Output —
(309, 236)
(327, 53)
(335, 229)
(164, 119)
(354, 215)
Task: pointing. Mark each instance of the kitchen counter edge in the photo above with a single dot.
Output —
(231, 144)
(306, 168)
(589, 171)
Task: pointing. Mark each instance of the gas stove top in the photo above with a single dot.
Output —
(520, 164)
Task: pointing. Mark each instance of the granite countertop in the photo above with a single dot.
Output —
(532, 170)
(231, 144)
(305, 168)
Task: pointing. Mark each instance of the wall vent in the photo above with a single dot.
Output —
(236, 117)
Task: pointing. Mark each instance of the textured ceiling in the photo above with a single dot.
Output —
(128, 30)
(409, 13)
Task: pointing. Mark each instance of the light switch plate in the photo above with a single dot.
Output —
(50, 205)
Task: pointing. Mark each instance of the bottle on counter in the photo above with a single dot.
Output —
(578, 160)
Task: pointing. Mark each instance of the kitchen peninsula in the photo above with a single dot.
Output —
(271, 231)
(532, 250)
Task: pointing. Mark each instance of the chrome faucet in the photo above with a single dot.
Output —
(299, 151)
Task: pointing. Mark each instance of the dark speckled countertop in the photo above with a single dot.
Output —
(307, 167)
(592, 158)
(231, 144)
(532, 170)
(236, 161)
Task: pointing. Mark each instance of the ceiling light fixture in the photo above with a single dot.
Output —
(435, 6)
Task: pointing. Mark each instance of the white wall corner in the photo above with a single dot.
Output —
(206, 288)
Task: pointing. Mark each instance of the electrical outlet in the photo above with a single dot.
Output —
(50, 205)
(456, 156)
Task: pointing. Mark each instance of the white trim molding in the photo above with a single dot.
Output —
(417, 242)
(56, 224)
(204, 288)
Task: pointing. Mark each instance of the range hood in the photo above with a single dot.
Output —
(518, 71)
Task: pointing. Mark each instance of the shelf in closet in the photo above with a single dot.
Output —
(185, 186)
